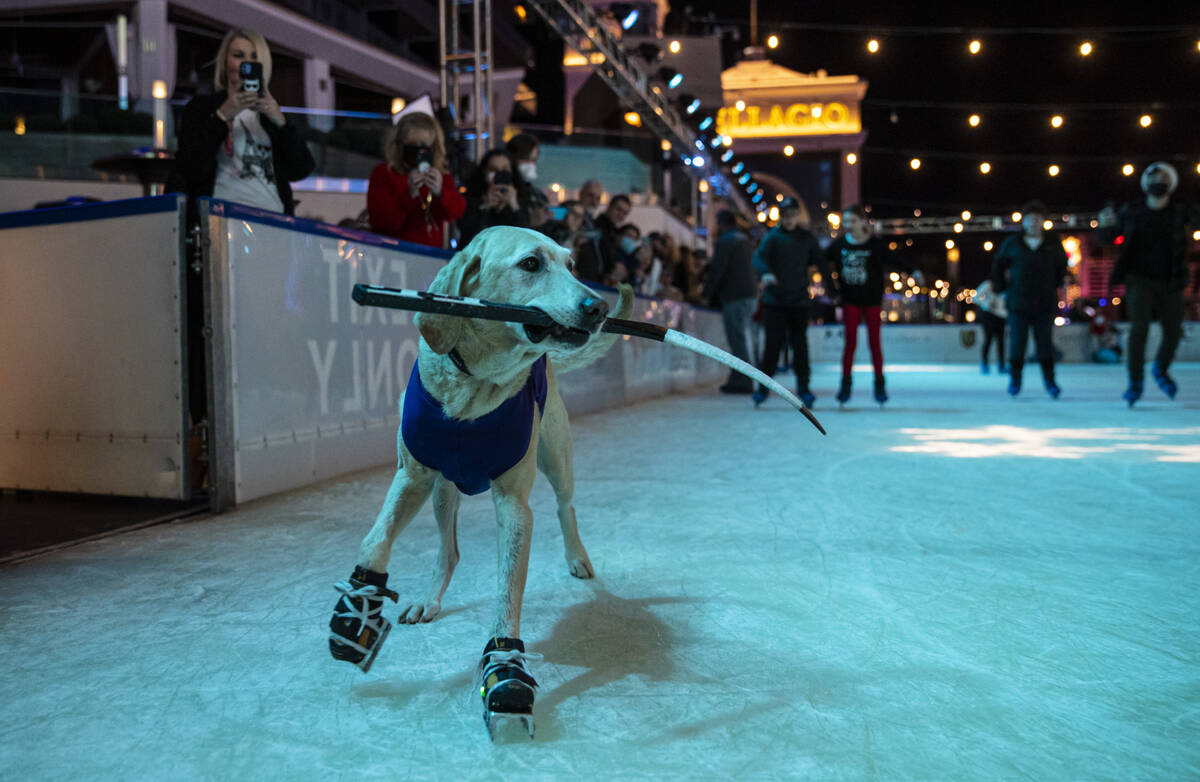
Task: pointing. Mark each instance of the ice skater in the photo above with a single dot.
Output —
(1152, 263)
(782, 261)
(992, 317)
(1029, 269)
(858, 259)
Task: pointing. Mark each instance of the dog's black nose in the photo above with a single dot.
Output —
(595, 310)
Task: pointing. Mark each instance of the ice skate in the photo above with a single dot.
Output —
(1052, 389)
(506, 687)
(1014, 385)
(806, 396)
(760, 396)
(880, 392)
(1133, 393)
(843, 394)
(984, 369)
(358, 629)
(1164, 381)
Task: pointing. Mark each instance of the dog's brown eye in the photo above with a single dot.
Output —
(531, 264)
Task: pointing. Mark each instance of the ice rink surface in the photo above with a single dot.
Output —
(960, 586)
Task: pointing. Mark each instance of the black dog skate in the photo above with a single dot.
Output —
(358, 629)
(506, 687)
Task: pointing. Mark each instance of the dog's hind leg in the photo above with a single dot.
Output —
(556, 460)
(445, 510)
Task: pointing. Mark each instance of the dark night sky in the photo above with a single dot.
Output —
(1156, 71)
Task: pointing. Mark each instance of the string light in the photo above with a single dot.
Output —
(1047, 225)
(973, 120)
(674, 47)
(1056, 121)
(974, 47)
(987, 246)
(1016, 216)
(1085, 48)
(633, 118)
(949, 244)
(915, 163)
(789, 150)
(873, 46)
(772, 41)
(958, 228)
(1145, 120)
(1053, 170)
(966, 215)
(1127, 169)
(985, 167)
(851, 158)
(740, 105)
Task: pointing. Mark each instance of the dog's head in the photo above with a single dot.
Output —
(516, 266)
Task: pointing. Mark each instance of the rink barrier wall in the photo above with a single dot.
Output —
(92, 370)
(306, 384)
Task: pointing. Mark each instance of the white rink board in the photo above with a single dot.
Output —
(92, 352)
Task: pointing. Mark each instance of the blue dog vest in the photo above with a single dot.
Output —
(471, 453)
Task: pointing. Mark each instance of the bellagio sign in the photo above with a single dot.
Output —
(795, 119)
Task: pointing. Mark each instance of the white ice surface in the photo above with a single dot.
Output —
(960, 586)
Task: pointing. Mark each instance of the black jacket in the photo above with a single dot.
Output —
(201, 134)
(1132, 223)
(476, 218)
(1029, 278)
(788, 255)
(730, 274)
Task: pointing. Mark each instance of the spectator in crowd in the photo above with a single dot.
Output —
(591, 263)
(992, 316)
(236, 145)
(731, 286)
(412, 196)
(610, 222)
(524, 151)
(858, 258)
(782, 263)
(689, 275)
(628, 240)
(1029, 269)
(1152, 264)
(492, 196)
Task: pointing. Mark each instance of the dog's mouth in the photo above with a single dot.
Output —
(557, 332)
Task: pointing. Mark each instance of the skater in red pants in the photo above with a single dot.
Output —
(857, 257)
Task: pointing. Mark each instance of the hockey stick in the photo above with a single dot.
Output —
(463, 307)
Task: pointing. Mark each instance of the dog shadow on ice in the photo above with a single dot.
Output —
(610, 638)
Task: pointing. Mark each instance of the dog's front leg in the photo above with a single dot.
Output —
(510, 496)
(409, 490)
(445, 510)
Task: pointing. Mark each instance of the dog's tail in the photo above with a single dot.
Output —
(603, 341)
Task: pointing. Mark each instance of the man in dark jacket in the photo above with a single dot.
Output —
(782, 261)
(730, 285)
(1029, 269)
(1152, 264)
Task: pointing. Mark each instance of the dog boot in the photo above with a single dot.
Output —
(358, 629)
(1165, 381)
(843, 394)
(1133, 393)
(506, 687)
(880, 392)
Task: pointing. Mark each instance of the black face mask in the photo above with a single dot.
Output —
(415, 154)
(1158, 189)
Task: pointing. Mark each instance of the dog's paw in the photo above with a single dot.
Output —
(581, 567)
(417, 613)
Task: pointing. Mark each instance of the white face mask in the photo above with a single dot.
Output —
(528, 170)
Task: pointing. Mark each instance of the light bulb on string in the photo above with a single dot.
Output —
(1127, 169)
(973, 120)
(1145, 120)
(974, 47)
(1085, 48)
(985, 167)
(873, 46)
(1056, 121)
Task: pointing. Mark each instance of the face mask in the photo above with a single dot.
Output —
(629, 245)
(1158, 189)
(416, 154)
(528, 170)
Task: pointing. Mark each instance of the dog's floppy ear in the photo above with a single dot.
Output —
(442, 332)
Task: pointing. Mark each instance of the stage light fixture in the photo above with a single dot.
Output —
(671, 77)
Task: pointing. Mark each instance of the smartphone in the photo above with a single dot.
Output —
(424, 160)
(251, 74)
(558, 212)
(502, 178)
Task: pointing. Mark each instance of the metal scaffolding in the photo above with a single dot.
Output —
(457, 57)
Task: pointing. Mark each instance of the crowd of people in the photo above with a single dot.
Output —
(237, 145)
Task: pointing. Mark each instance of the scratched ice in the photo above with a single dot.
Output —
(960, 586)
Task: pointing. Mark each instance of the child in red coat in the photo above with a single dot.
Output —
(411, 196)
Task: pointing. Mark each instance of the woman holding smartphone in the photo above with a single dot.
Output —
(235, 144)
(492, 196)
(412, 195)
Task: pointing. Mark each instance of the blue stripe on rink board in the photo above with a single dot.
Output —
(233, 211)
(99, 211)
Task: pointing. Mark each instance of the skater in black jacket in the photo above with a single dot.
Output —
(1029, 269)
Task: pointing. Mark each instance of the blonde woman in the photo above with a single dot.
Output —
(236, 144)
(412, 195)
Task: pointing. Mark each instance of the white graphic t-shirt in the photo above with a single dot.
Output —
(245, 168)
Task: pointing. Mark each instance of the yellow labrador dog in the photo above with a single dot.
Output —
(482, 410)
